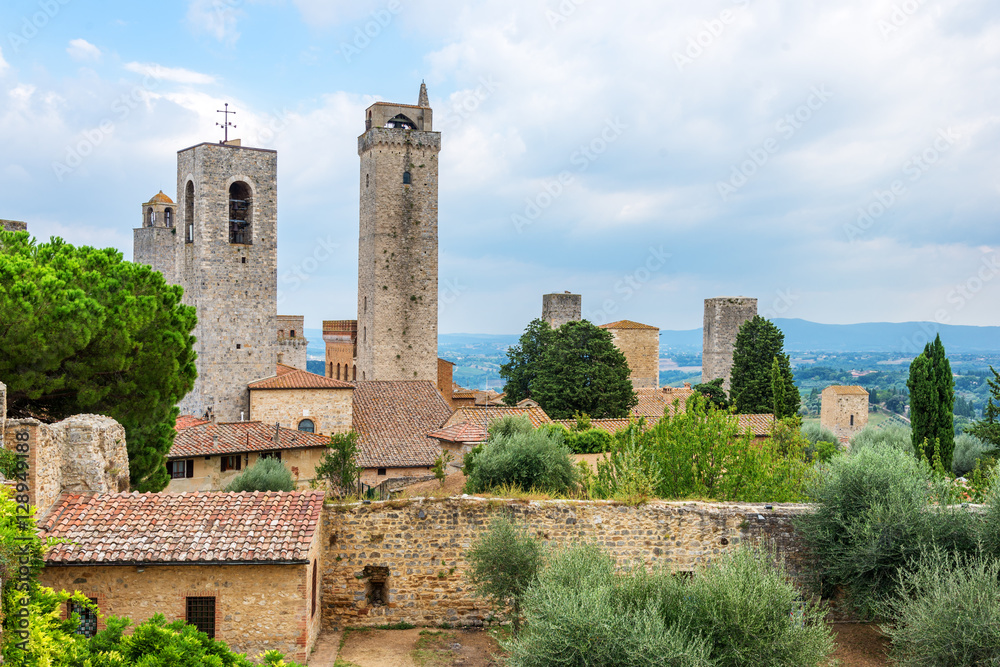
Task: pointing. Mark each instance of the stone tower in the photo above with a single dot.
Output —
(222, 249)
(398, 244)
(292, 343)
(341, 338)
(723, 318)
(558, 309)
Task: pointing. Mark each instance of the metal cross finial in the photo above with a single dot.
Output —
(226, 125)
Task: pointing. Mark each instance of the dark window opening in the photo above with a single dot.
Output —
(375, 588)
(201, 614)
(366, 179)
(183, 469)
(314, 588)
(189, 212)
(292, 334)
(307, 426)
(168, 217)
(852, 420)
(239, 346)
(243, 260)
(401, 122)
(338, 370)
(270, 455)
(240, 214)
(232, 463)
(381, 472)
(88, 618)
(407, 179)
(149, 218)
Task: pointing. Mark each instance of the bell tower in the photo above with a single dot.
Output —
(398, 243)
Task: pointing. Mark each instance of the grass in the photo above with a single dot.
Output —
(432, 649)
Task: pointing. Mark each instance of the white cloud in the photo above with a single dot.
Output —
(216, 17)
(174, 74)
(81, 49)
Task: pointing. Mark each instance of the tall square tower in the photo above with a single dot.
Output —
(398, 243)
(221, 247)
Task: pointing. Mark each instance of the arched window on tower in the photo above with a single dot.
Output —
(240, 213)
(407, 178)
(189, 212)
(168, 217)
(354, 372)
(148, 222)
(338, 370)
(307, 426)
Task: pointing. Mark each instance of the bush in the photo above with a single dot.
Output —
(590, 441)
(815, 432)
(503, 563)
(741, 612)
(509, 425)
(823, 444)
(264, 475)
(968, 450)
(874, 515)
(947, 613)
(536, 459)
(897, 437)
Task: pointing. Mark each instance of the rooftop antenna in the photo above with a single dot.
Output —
(226, 125)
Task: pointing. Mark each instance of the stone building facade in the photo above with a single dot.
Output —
(292, 342)
(844, 410)
(341, 338)
(723, 318)
(13, 226)
(558, 309)
(222, 249)
(303, 401)
(398, 243)
(640, 343)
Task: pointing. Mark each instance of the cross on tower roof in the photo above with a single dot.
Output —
(226, 125)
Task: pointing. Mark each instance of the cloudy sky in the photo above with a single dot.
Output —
(838, 161)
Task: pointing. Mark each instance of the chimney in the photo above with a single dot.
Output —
(277, 434)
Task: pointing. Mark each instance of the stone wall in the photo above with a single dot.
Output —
(13, 226)
(330, 410)
(723, 318)
(405, 560)
(84, 453)
(641, 348)
(558, 309)
(844, 410)
(292, 342)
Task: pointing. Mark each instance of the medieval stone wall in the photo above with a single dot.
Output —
(641, 348)
(13, 226)
(398, 255)
(723, 318)
(330, 410)
(292, 342)
(558, 309)
(156, 247)
(396, 561)
(341, 337)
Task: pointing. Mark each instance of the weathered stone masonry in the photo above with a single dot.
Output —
(402, 561)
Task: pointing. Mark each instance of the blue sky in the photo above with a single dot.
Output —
(838, 161)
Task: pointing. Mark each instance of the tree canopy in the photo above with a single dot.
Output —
(81, 331)
(575, 368)
(751, 386)
(932, 402)
(987, 429)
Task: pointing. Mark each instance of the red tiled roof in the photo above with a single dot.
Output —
(183, 527)
(758, 425)
(611, 426)
(627, 324)
(207, 439)
(465, 432)
(475, 415)
(847, 390)
(294, 378)
(187, 421)
(653, 402)
(393, 419)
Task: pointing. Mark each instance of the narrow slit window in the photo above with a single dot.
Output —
(189, 213)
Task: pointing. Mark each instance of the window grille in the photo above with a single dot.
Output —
(201, 614)
(88, 618)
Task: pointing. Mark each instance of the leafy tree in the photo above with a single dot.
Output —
(85, 331)
(503, 563)
(264, 475)
(987, 429)
(786, 394)
(714, 392)
(757, 344)
(440, 467)
(932, 399)
(581, 370)
(338, 466)
(521, 368)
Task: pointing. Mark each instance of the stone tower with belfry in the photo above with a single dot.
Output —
(219, 242)
(397, 324)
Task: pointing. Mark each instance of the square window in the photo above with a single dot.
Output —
(232, 463)
(88, 618)
(239, 346)
(201, 614)
(381, 471)
(183, 469)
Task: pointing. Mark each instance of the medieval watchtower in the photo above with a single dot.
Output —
(221, 246)
(398, 244)
(723, 318)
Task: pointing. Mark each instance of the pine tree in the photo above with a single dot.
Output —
(785, 394)
(932, 402)
(987, 429)
(757, 344)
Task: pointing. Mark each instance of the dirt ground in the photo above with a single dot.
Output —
(420, 647)
(860, 645)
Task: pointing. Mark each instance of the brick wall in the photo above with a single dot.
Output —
(330, 410)
(422, 545)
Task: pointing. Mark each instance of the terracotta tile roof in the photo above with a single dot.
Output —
(611, 426)
(207, 439)
(187, 421)
(759, 425)
(850, 390)
(393, 419)
(476, 414)
(183, 527)
(465, 432)
(627, 324)
(294, 378)
(653, 402)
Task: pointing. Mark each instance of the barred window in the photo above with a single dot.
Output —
(201, 614)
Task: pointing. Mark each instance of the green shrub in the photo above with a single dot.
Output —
(897, 437)
(947, 613)
(338, 465)
(503, 563)
(629, 473)
(816, 432)
(509, 425)
(968, 450)
(264, 475)
(823, 444)
(874, 514)
(9, 463)
(590, 441)
(536, 459)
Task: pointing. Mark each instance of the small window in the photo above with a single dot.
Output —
(232, 463)
(338, 370)
(407, 179)
(189, 212)
(240, 214)
(852, 420)
(201, 614)
(307, 426)
(292, 334)
(239, 346)
(270, 455)
(88, 618)
(315, 591)
(168, 217)
(366, 180)
(381, 472)
(243, 260)
(183, 469)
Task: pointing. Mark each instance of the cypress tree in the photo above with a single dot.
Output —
(932, 402)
